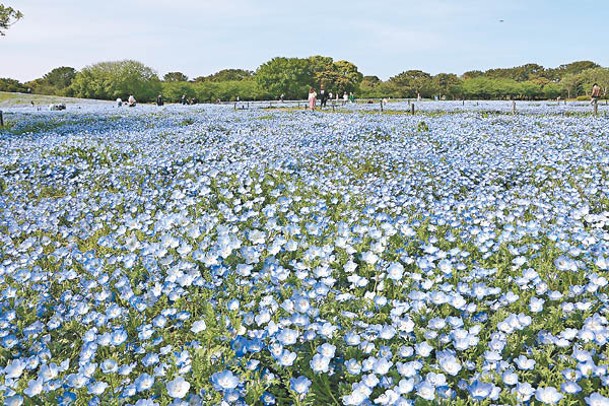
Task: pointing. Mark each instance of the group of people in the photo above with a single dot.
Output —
(313, 96)
(325, 96)
(131, 102)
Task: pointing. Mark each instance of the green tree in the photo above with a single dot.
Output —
(572, 85)
(472, 74)
(288, 76)
(412, 83)
(109, 80)
(599, 76)
(56, 82)
(575, 67)
(173, 91)
(11, 85)
(230, 75)
(8, 16)
(447, 84)
(175, 77)
(322, 71)
(61, 77)
(347, 77)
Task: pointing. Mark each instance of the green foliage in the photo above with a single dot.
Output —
(109, 80)
(11, 85)
(175, 77)
(292, 77)
(413, 83)
(422, 127)
(8, 16)
(56, 82)
(246, 89)
(173, 91)
(227, 75)
(288, 76)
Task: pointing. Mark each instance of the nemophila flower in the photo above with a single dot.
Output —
(177, 388)
(268, 399)
(509, 378)
(288, 336)
(353, 366)
(14, 400)
(150, 359)
(370, 380)
(320, 364)
(48, 371)
(146, 402)
(34, 387)
(198, 326)
(77, 381)
(423, 349)
(14, 369)
(97, 388)
(395, 271)
(548, 395)
(109, 366)
(426, 390)
(524, 363)
(370, 257)
(224, 380)
(300, 385)
(449, 363)
(570, 387)
(564, 263)
(143, 382)
(360, 394)
(524, 391)
(389, 397)
(327, 350)
(286, 358)
(480, 390)
(596, 399)
(382, 366)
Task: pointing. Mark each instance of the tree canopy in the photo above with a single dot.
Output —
(8, 16)
(110, 80)
(293, 77)
(175, 77)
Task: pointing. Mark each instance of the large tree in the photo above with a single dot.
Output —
(226, 75)
(55, 82)
(293, 76)
(288, 76)
(412, 83)
(109, 80)
(175, 77)
(11, 85)
(8, 16)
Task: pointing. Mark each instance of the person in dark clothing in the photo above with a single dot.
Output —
(323, 97)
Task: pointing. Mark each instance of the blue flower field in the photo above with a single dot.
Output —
(206, 255)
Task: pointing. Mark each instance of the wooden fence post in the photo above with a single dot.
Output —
(1, 119)
(513, 106)
(381, 105)
(412, 109)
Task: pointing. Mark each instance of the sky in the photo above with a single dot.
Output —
(381, 37)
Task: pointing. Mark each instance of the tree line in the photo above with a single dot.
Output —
(292, 77)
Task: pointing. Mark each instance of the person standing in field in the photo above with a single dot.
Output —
(323, 97)
(596, 93)
(312, 98)
(131, 101)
